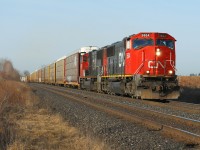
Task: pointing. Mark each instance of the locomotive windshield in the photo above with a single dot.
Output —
(163, 42)
(140, 43)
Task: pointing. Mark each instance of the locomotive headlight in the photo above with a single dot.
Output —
(170, 71)
(147, 72)
(158, 53)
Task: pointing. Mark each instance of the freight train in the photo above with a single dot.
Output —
(141, 66)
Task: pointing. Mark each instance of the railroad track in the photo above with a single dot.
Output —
(196, 107)
(180, 128)
(178, 106)
(175, 105)
(192, 123)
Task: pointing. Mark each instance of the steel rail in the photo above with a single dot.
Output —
(184, 120)
(178, 119)
(163, 105)
(178, 134)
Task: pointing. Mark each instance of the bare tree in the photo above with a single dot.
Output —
(26, 73)
(7, 71)
(1, 64)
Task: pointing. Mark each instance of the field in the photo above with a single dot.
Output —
(190, 89)
(23, 125)
(190, 81)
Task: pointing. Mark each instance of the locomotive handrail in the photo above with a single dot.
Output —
(142, 64)
(139, 68)
(171, 63)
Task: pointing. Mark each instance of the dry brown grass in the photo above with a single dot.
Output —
(14, 93)
(14, 97)
(190, 81)
(40, 130)
(24, 126)
(190, 89)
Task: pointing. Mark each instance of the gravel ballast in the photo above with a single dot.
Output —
(115, 132)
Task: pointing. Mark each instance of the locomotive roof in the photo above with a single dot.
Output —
(155, 34)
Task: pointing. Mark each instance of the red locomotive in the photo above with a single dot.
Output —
(141, 66)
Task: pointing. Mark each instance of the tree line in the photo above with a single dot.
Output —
(7, 71)
(193, 74)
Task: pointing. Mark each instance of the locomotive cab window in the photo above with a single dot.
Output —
(140, 43)
(164, 42)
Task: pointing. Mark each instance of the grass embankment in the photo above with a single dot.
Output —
(24, 126)
(191, 89)
(190, 81)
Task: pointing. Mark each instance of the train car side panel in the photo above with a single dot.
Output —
(52, 74)
(60, 72)
(42, 74)
(72, 70)
(46, 70)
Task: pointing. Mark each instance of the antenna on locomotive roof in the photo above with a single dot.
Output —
(126, 38)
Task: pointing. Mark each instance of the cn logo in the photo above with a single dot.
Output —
(152, 64)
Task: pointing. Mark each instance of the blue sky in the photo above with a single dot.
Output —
(34, 33)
